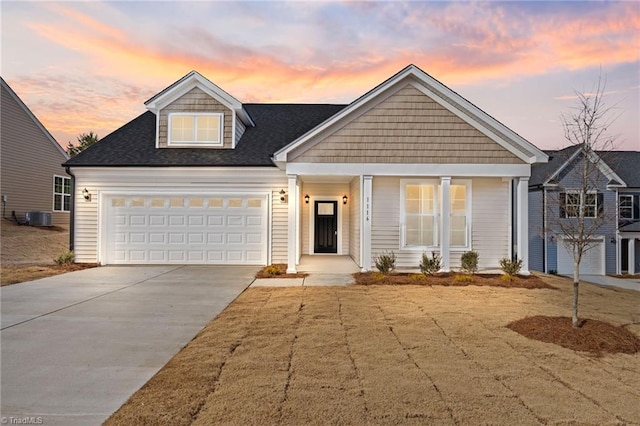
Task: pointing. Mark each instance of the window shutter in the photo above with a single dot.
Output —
(563, 200)
(636, 206)
(600, 201)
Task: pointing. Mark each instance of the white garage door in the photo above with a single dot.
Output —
(186, 229)
(592, 262)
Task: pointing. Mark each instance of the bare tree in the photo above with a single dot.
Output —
(577, 202)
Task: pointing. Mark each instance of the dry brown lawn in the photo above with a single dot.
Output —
(28, 252)
(419, 355)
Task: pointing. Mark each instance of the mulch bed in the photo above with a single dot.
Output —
(278, 270)
(449, 279)
(593, 336)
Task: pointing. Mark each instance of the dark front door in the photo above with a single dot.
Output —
(624, 255)
(326, 227)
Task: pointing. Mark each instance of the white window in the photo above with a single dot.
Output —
(626, 207)
(421, 208)
(570, 203)
(61, 194)
(198, 129)
(420, 215)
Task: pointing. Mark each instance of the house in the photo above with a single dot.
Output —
(613, 197)
(32, 177)
(202, 178)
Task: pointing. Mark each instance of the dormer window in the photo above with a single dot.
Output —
(195, 129)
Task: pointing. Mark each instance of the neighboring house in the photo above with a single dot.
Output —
(33, 178)
(615, 198)
(408, 167)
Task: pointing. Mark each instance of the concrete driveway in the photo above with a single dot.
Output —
(76, 346)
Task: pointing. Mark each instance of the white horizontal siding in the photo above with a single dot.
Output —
(330, 191)
(491, 220)
(167, 180)
(489, 227)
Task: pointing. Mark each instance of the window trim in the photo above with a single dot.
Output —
(630, 207)
(62, 194)
(564, 212)
(194, 143)
(467, 183)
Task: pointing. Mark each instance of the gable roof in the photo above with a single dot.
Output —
(188, 82)
(32, 116)
(275, 126)
(441, 94)
(620, 167)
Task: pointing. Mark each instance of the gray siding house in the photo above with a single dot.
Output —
(202, 178)
(32, 176)
(614, 197)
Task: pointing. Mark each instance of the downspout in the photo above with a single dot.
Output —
(545, 246)
(514, 251)
(72, 209)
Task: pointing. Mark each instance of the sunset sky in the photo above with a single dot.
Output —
(89, 66)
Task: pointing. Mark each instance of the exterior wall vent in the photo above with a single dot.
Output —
(38, 218)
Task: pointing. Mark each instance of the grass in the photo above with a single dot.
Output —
(394, 354)
(13, 274)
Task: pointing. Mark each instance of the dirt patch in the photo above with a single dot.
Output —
(14, 274)
(277, 270)
(596, 337)
(31, 245)
(394, 355)
(449, 279)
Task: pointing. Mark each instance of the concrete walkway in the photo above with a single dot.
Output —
(76, 346)
(322, 270)
(607, 281)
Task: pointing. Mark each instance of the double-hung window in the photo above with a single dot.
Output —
(421, 210)
(195, 129)
(420, 215)
(572, 201)
(626, 206)
(61, 194)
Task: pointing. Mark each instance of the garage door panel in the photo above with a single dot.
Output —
(235, 221)
(592, 262)
(215, 220)
(157, 220)
(175, 229)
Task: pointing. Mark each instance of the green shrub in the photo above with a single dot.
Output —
(386, 262)
(510, 267)
(469, 262)
(272, 270)
(65, 258)
(463, 278)
(430, 265)
(553, 271)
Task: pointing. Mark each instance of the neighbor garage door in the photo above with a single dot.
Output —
(592, 262)
(193, 229)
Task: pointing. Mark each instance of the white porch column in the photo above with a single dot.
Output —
(292, 208)
(631, 256)
(365, 214)
(445, 224)
(523, 223)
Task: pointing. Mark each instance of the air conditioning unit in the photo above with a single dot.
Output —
(38, 218)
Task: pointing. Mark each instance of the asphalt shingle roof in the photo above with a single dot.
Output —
(625, 164)
(277, 125)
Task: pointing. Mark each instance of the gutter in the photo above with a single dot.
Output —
(72, 208)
